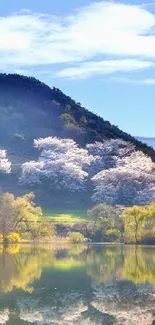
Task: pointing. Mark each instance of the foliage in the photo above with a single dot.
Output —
(7, 214)
(29, 218)
(107, 154)
(76, 237)
(22, 216)
(112, 235)
(107, 222)
(103, 210)
(131, 182)
(139, 224)
(83, 121)
(42, 229)
(62, 164)
(67, 118)
(13, 237)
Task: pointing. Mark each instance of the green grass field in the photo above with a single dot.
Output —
(68, 216)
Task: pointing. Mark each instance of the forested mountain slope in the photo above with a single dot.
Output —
(30, 109)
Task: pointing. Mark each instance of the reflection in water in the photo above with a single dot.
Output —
(77, 285)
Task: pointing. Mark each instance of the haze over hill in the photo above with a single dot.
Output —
(149, 141)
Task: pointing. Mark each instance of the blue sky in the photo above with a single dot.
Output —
(101, 53)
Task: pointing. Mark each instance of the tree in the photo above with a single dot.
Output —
(107, 153)
(29, 218)
(7, 214)
(121, 176)
(76, 237)
(67, 118)
(107, 223)
(22, 216)
(62, 165)
(5, 164)
(103, 210)
(134, 218)
(131, 182)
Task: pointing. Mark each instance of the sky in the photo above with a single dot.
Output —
(101, 53)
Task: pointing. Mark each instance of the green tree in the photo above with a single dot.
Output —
(67, 118)
(7, 214)
(21, 215)
(134, 220)
(30, 218)
(76, 237)
(83, 121)
(107, 223)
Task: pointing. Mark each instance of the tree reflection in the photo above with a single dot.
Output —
(84, 284)
(139, 265)
(21, 266)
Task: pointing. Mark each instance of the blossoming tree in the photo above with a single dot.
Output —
(5, 164)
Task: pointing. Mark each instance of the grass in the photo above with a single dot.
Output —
(68, 216)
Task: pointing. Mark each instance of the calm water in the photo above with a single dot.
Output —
(77, 285)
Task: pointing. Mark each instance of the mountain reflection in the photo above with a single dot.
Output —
(77, 285)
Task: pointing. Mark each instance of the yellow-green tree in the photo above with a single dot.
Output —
(134, 220)
(7, 214)
(21, 215)
(107, 223)
(30, 218)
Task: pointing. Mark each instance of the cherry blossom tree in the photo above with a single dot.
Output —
(62, 165)
(5, 164)
(131, 182)
(106, 154)
(120, 174)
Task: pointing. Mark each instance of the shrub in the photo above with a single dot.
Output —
(13, 237)
(112, 235)
(67, 118)
(76, 237)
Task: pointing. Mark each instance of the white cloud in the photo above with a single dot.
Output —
(100, 30)
(146, 81)
(104, 67)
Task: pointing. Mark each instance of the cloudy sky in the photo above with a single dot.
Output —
(101, 53)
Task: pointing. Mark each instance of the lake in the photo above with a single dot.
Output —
(77, 285)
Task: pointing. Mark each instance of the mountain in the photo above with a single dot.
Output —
(149, 141)
(30, 109)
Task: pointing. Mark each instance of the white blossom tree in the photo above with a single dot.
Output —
(62, 165)
(106, 154)
(5, 164)
(131, 182)
(120, 174)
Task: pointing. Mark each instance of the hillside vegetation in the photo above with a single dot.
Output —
(30, 109)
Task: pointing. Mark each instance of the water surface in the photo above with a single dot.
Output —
(77, 285)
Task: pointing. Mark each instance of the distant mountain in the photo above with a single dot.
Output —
(149, 141)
